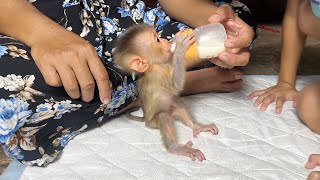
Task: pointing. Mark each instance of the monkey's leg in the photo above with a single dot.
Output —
(184, 115)
(170, 141)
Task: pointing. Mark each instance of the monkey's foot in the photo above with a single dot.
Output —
(187, 150)
(203, 128)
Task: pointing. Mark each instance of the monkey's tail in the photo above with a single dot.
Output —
(135, 118)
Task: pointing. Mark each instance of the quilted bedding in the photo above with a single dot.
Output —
(250, 144)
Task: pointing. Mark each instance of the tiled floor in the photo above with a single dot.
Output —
(264, 60)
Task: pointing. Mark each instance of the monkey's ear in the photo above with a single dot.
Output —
(139, 64)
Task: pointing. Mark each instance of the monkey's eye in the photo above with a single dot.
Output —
(158, 40)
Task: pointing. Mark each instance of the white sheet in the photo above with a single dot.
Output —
(250, 145)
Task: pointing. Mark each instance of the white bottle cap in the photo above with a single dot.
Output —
(210, 40)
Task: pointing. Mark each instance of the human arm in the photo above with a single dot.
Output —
(63, 57)
(292, 45)
(201, 12)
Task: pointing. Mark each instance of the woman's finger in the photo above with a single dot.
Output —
(101, 77)
(69, 81)
(85, 80)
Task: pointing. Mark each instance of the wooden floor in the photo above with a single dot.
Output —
(4, 161)
(265, 58)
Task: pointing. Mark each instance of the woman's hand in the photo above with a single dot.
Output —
(239, 38)
(279, 93)
(66, 59)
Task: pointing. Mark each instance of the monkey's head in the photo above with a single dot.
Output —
(139, 47)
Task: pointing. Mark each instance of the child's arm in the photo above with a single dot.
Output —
(293, 42)
(292, 45)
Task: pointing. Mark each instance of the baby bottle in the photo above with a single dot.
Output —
(209, 42)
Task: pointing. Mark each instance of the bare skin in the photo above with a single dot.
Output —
(308, 105)
(212, 79)
(160, 83)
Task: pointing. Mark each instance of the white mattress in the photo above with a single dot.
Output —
(250, 145)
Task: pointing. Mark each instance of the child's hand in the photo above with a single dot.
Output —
(314, 160)
(279, 93)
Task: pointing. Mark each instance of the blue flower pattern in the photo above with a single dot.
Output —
(109, 26)
(13, 115)
(125, 12)
(3, 50)
(149, 17)
(13, 151)
(182, 26)
(67, 3)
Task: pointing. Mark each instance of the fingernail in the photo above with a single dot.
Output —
(106, 101)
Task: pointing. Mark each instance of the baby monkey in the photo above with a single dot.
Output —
(161, 79)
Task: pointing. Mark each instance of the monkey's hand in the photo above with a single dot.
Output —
(203, 128)
(183, 42)
(186, 150)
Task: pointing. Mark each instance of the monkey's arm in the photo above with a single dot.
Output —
(183, 42)
(178, 69)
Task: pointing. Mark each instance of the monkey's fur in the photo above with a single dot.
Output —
(161, 79)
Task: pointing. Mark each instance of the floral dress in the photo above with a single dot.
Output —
(37, 121)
